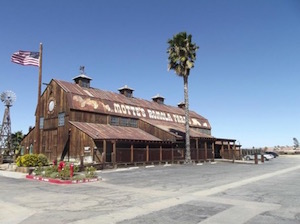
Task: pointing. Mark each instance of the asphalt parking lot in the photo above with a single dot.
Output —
(209, 193)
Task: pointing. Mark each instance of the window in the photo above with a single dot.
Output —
(85, 83)
(133, 123)
(41, 122)
(61, 119)
(125, 122)
(114, 121)
(22, 151)
(30, 149)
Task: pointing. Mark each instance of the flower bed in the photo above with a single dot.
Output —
(63, 173)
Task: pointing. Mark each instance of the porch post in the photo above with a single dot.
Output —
(205, 151)
(131, 153)
(160, 153)
(147, 153)
(114, 158)
(197, 149)
(233, 156)
(222, 150)
(229, 150)
(213, 151)
(104, 151)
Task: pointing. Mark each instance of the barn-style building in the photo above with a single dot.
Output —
(78, 122)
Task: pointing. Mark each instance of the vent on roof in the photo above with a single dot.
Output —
(181, 105)
(158, 99)
(82, 79)
(126, 91)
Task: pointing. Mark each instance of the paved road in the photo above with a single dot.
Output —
(208, 193)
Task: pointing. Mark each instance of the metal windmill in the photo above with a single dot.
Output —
(7, 97)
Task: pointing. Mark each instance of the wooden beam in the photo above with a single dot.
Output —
(104, 151)
(229, 150)
(147, 153)
(222, 150)
(160, 153)
(233, 156)
(197, 149)
(213, 151)
(205, 151)
(131, 153)
(114, 155)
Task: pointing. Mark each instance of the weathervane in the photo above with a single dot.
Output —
(81, 68)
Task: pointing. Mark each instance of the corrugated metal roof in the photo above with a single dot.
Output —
(177, 129)
(100, 97)
(109, 132)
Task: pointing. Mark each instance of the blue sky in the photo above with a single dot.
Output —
(246, 78)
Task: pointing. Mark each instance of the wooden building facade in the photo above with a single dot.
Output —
(78, 122)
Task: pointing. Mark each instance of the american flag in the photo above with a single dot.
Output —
(26, 58)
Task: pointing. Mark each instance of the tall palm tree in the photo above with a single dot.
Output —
(182, 56)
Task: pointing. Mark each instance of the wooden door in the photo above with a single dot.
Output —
(49, 144)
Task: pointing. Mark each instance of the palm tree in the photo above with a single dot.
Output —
(182, 56)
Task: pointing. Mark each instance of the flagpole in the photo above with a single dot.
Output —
(39, 100)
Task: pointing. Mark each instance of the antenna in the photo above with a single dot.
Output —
(8, 98)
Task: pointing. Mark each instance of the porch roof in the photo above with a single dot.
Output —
(109, 132)
(177, 129)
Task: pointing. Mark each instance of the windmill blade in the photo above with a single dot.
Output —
(8, 97)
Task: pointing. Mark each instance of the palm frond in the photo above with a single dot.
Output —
(182, 53)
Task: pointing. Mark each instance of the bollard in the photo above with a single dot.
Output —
(262, 158)
(71, 170)
(255, 158)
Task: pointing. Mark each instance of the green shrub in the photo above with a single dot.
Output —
(18, 161)
(54, 175)
(78, 177)
(38, 171)
(64, 174)
(49, 170)
(42, 160)
(90, 172)
(28, 160)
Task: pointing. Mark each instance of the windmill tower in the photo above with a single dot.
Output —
(7, 97)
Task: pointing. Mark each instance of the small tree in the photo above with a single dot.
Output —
(16, 139)
(296, 143)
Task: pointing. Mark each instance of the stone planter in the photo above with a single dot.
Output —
(22, 169)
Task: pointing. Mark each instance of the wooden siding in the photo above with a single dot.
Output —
(53, 137)
(78, 141)
(88, 117)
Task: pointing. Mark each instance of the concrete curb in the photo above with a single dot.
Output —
(58, 181)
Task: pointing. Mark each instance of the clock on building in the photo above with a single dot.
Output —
(51, 105)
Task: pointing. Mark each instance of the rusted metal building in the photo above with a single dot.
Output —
(77, 121)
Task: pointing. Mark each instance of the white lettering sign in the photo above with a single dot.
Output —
(129, 110)
(153, 114)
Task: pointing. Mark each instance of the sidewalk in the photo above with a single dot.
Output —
(8, 170)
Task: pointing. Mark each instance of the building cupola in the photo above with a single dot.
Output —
(82, 79)
(126, 91)
(158, 99)
(181, 105)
